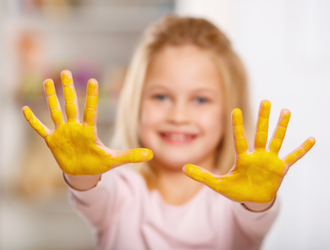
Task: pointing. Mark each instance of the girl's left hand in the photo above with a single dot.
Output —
(256, 176)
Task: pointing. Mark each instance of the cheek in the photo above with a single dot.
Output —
(212, 124)
(150, 115)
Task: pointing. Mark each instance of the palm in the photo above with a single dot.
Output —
(256, 176)
(76, 146)
(86, 158)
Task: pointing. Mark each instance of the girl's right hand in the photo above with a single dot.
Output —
(75, 146)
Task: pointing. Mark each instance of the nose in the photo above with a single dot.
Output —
(179, 113)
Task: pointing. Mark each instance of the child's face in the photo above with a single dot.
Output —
(182, 107)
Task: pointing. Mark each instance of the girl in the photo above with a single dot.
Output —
(183, 82)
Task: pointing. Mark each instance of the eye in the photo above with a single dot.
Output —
(160, 97)
(201, 100)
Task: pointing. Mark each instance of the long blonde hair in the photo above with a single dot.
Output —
(178, 31)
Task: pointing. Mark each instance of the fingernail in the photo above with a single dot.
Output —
(285, 120)
(66, 80)
(91, 90)
(237, 117)
(309, 145)
(189, 168)
(265, 111)
(142, 154)
(49, 88)
(193, 172)
(28, 113)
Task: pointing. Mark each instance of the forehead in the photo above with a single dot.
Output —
(183, 67)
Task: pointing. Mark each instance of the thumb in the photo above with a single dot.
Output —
(130, 156)
(202, 175)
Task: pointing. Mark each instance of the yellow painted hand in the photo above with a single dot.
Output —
(75, 146)
(257, 176)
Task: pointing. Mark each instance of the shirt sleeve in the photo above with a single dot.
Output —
(90, 204)
(255, 225)
(100, 206)
(93, 204)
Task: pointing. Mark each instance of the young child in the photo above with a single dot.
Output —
(183, 82)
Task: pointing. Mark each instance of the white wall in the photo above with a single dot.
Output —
(285, 45)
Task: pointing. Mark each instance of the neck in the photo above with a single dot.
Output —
(174, 186)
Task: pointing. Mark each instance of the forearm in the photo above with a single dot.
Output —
(82, 182)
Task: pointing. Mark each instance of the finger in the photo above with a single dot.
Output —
(130, 156)
(279, 133)
(260, 139)
(238, 129)
(201, 175)
(299, 152)
(53, 103)
(70, 97)
(90, 112)
(40, 128)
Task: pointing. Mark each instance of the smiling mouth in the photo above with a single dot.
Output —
(177, 138)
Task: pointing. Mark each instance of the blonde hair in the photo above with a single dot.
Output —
(178, 31)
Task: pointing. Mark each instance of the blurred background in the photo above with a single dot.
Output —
(284, 44)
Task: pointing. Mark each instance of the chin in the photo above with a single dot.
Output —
(174, 163)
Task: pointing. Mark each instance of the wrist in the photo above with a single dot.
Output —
(81, 182)
(258, 207)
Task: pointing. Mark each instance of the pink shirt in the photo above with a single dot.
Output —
(124, 214)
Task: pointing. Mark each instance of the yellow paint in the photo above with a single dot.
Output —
(69, 97)
(34, 122)
(276, 142)
(50, 90)
(308, 145)
(256, 176)
(300, 152)
(73, 144)
(262, 126)
(240, 140)
(91, 103)
(285, 121)
(53, 105)
(66, 81)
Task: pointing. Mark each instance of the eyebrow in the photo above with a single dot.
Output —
(208, 92)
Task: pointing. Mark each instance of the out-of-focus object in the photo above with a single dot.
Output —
(93, 39)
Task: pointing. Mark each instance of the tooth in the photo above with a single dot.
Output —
(178, 137)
